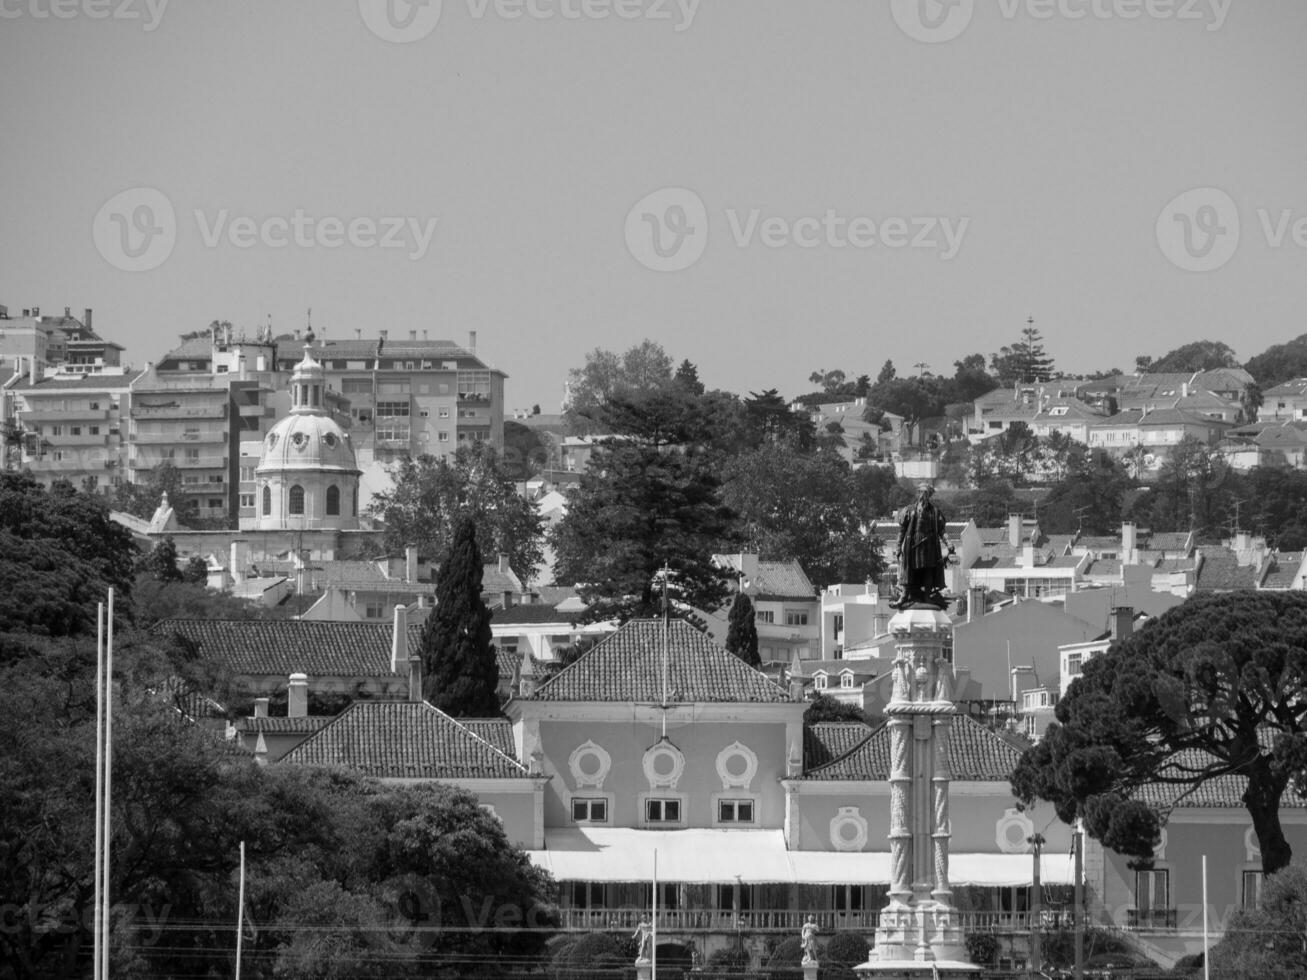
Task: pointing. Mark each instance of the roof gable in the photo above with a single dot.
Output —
(975, 753)
(403, 740)
(628, 666)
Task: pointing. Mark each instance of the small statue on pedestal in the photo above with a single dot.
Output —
(923, 553)
(808, 936)
(644, 940)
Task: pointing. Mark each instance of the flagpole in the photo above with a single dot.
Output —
(1206, 957)
(240, 913)
(97, 954)
(108, 788)
(653, 942)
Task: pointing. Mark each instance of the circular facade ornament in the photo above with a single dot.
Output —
(737, 764)
(300, 441)
(663, 765)
(330, 440)
(848, 829)
(1159, 852)
(589, 764)
(1011, 831)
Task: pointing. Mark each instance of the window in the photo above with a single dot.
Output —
(333, 500)
(731, 897)
(267, 501)
(1251, 892)
(735, 811)
(354, 510)
(590, 810)
(1153, 900)
(356, 386)
(216, 503)
(297, 499)
(846, 679)
(444, 413)
(247, 500)
(1073, 662)
(56, 430)
(586, 895)
(93, 430)
(393, 410)
(662, 811)
(425, 413)
(192, 454)
(838, 624)
(765, 616)
(444, 437)
(819, 682)
(793, 618)
(374, 609)
(95, 406)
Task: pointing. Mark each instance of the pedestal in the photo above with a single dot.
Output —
(920, 933)
(643, 970)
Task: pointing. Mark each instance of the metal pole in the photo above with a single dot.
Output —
(240, 913)
(98, 955)
(653, 941)
(1206, 957)
(1078, 840)
(108, 783)
(1036, 953)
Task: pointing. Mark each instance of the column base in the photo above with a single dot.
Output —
(913, 970)
(926, 934)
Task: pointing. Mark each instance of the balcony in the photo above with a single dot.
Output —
(181, 462)
(790, 921)
(38, 414)
(176, 438)
(1157, 919)
(179, 411)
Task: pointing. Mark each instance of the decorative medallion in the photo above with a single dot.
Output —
(848, 829)
(330, 439)
(663, 764)
(272, 439)
(737, 764)
(1012, 830)
(589, 764)
(300, 441)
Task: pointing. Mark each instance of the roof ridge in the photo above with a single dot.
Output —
(871, 733)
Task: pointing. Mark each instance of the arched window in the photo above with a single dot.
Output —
(297, 499)
(267, 501)
(333, 500)
(355, 511)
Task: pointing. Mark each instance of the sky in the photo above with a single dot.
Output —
(766, 188)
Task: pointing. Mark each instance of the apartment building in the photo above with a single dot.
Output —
(54, 340)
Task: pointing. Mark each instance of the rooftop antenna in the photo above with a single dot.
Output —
(666, 573)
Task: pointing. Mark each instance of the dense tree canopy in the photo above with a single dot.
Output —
(642, 369)
(636, 509)
(1201, 355)
(1025, 361)
(1280, 363)
(432, 493)
(1266, 942)
(1210, 689)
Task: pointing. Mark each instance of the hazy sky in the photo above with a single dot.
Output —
(763, 187)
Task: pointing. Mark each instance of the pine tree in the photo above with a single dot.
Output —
(458, 660)
(742, 631)
(1025, 362)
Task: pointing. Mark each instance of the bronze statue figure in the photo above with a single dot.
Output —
(923, 553)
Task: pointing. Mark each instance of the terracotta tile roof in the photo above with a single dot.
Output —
(1297, 386)
(494, 581)
(1219, 791)
(778, 579)
(1221, 571)
(868, 666)
(497, 731)
(975, 753)
(627, 666)
(192, 349)
(283, 647)
(1170, 540)
(827, 741)
(507, 662)
(1282, 570)
(305, 725)
(332, 572)
(403, 739)
(1104, 566)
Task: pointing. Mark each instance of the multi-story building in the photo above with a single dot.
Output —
(67, 426)
(413, 396)
(189, 423)
(1285, 401)
(54, 340)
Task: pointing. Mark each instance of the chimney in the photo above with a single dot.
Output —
(503, 562)
(410, 564)
(975, 602)
(297, 696)
(358, 333)
(1014, 530)
(68, 312)
(796, 689)
(415, 678)
(526, 676)
(32, 372)
(1123, 622)
(239, 553)
(472, 341)
(412, 335)
(1129, 544)
(399, 640)
(749, 566)
(508, 598)
(261, 707)
(1028, 555)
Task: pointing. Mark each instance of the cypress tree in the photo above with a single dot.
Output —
(458, 660)
(742, 631)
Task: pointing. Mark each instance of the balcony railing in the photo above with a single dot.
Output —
(1150, 919)
(179, 411)
(38, 414)
(791, 921)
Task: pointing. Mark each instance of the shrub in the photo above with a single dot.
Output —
(728, 961)
(845, 951)
(788, 953)
(982, 948)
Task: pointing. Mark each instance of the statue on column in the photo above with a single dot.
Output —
(808, 937)
(923, 553)
(644, 940)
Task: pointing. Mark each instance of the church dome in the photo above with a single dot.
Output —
(307, 477)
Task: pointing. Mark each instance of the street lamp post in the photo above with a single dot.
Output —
(1036, 952)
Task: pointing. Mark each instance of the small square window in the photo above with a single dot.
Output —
(662, 811)
(735, 811)
(589, 810)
